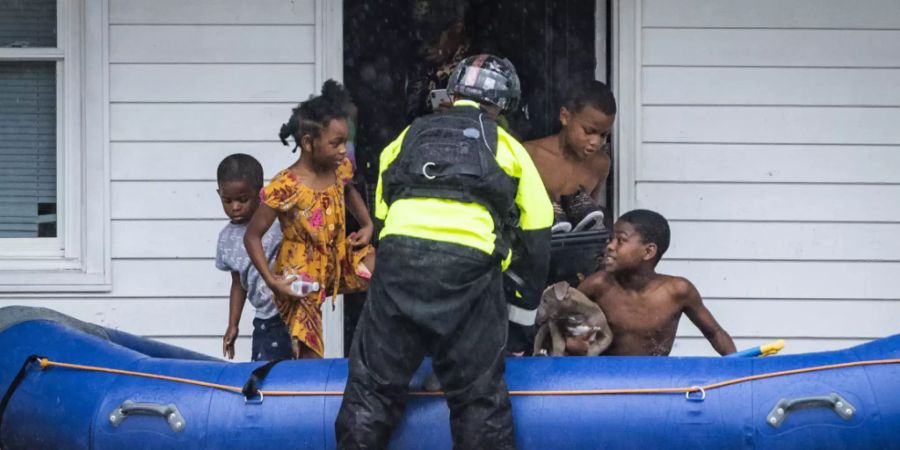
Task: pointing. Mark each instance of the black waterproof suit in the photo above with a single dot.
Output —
(455, 193)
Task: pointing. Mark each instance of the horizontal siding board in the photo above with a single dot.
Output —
(772, 13)
(211, 44)
(771, 47)
(768, 124)
(771, 202)
(166, 238)
(196, 160)
(769, 163)
(197, 122)
(786, 241)
(790, 279)
(212, 12)
(698, 346)
(798, 318)
(770, 86)
(211, 82)
(165, 200)
(172, 278)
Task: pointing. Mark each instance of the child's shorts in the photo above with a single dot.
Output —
(271, 340)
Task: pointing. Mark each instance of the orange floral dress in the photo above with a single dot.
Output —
(314, 248)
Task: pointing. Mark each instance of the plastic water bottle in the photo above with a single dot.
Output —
(302, 288)
(299, 287)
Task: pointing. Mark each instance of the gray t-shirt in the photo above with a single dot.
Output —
(231, 256)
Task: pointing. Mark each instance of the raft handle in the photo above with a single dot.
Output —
(255, 400)
(694, 398)
(129, 408)
(833, 401)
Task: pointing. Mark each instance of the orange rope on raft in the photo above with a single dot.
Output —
(44, 363)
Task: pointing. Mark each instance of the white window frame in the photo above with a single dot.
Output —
(78, 260)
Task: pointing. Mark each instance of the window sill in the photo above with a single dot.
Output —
(56, 281)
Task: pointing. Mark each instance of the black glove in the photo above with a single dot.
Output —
(520, 339)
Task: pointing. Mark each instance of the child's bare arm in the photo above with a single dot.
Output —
(262, 219)
(235, 309)
(704, 320)
(357, 206)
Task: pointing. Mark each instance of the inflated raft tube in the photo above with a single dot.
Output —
(847, 399)
(12, 315)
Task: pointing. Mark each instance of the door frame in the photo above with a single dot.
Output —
(625, 66)
(329, 47)
(623, 55)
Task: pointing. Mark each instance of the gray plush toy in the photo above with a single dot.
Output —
(566, 312)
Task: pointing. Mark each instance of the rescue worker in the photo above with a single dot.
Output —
(455, 193)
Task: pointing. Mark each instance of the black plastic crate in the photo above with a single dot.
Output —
(574, 254)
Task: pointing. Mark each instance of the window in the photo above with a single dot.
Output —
(53, 146)
(28, 120)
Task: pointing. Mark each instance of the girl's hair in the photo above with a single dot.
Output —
(313, 115)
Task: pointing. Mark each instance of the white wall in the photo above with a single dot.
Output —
(190, 82)
(767, 133)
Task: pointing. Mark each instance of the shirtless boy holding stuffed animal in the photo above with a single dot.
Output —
(643, 307)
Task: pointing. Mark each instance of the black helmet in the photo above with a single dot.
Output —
(487, 79)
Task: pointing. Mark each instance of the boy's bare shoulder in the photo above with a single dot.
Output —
(680, 287)
(544, 144)
(595, 284)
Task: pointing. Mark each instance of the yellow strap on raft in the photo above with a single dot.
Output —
(45, 363)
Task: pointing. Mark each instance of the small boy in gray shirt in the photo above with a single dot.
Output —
(240, 177)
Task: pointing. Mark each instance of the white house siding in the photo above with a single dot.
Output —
(189, 83)
(767, 132)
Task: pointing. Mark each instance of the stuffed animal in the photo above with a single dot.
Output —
(567, 313)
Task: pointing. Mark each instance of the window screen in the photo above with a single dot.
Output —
(28, 119)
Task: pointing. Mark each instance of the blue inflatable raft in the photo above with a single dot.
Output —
(96, 388)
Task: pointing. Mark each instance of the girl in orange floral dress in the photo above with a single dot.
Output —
(309, 199)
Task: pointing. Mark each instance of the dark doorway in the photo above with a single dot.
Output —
(390, 62)
(551, 43)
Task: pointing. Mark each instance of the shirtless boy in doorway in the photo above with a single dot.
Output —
(643, 307)
(576, 160)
